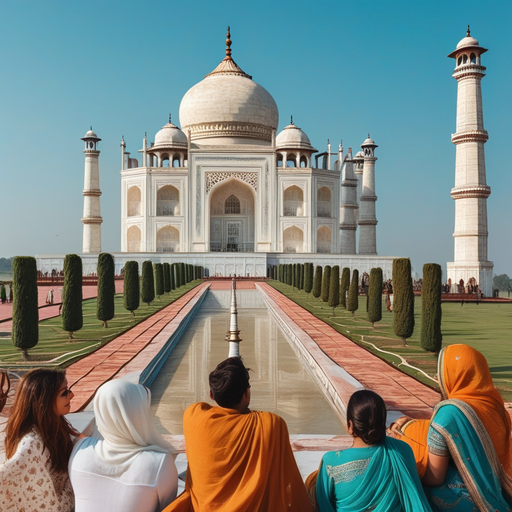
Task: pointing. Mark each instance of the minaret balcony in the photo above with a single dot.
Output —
(470, 136)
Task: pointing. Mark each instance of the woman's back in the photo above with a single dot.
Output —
(147, 483)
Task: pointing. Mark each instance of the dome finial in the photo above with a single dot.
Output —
(468, 33)
(291, 119)
(228, 44)
(170, 118)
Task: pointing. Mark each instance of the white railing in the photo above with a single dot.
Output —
(165, 208)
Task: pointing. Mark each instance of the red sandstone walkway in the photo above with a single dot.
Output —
(45, 311)
(88, 374)
(400, 391)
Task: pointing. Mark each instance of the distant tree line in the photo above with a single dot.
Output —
(502, 282)
(6, 264)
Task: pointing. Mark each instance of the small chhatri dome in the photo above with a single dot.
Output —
(467, 43)
(170, 136)
(90, 135)
(292, 137)
(368, 142)
(228, 107)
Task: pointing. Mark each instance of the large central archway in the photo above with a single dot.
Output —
(232, 218)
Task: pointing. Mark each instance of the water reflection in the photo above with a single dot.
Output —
(279, 382)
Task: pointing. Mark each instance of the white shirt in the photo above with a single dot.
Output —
(148, 484)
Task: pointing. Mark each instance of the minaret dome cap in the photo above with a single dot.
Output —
(90, 135)
(467, 43)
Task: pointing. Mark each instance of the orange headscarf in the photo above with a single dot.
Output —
(464, 375)
(239, 462)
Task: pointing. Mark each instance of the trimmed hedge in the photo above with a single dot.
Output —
(25, 313)
(317, 282)
(308, 277)
(334, 287)
(131, 293)
(431, 337)
(403, 299)
(72, 316)
(375, 296)
(353, 293)
(344, 286)
(148, 283)
(167, 277)
(326, 283)
(105, 308)
(158, 274)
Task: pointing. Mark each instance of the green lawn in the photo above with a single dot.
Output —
(486, 327)
(55, 350)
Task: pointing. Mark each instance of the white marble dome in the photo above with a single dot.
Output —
(228, 107)
(171, 136)
(292, 137)
(467, 41)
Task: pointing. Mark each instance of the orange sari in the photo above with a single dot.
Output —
(464, 375)
(239, 462)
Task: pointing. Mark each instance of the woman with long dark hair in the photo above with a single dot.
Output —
(38, 444)
(378, 473)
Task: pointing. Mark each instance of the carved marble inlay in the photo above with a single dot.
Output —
(230, 129)
(265, 206)
(213, 178)
(198, 200)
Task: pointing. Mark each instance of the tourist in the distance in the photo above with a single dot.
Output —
(464, 453)
(238, 459)
(38, 443)
(132, 469)
(378, 473)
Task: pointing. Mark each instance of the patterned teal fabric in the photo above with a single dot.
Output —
(378, 478)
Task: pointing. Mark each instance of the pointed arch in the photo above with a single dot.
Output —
(293, 239)
(168, 201)
(134, 203)
(168, 239)
(133, 238)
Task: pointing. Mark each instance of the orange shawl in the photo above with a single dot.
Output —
(464, 375)
(238, 462)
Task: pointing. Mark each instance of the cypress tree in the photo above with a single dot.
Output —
(72, 317)
(158, 274)
(280, 273)
(374, 301)
(403, 299)
(131, 293)
(167, 277)
(183, 275)
(344, 285)
(334, 288)
(431, 337)
(148, 283)
(294, 274)
(3, 294)
(274, 273)
(25, 313)
(105, 307)
(172, 278)
(326, 282)
(297, 276)
(353, 293)
(302, 276)
(189, 273)
(175, 273)
(308, 277)
(317, 282)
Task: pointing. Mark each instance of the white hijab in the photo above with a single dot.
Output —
(123, 419)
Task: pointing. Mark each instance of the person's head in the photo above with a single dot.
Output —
(122, 415)
(41, 401)
(229, 382)
(366, 417)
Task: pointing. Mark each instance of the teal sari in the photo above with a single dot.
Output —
(381, 478)
(476, 480)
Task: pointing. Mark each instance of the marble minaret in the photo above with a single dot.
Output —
(349, 206)
(471, 191)
(233, 335)
(367, 216)
(92, 216)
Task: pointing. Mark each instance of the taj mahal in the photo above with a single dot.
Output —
(232, 193)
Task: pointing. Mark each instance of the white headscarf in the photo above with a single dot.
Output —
(123, 419)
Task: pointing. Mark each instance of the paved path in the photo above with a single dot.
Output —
(88, 374)
(45, 311)
(400, 391)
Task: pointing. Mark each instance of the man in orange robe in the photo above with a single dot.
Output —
(238, 460)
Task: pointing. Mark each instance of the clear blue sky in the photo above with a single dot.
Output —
(343, 69)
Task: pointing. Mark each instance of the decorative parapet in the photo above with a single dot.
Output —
(230, 129)
(92, 192)
(477, 191)
(213, 178)
(92, 220)
(469, 71)
(470, 136)
(368, 222)
(349, 227)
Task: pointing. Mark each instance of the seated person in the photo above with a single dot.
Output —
(464, 453)
(132, 469)
(238, 459)
(377, 473)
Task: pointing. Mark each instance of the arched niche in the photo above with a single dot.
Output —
(279, 160)
(293, 202)
(323, 205)
(304, 161)
(168, 201)
(168, 239)
(232, 217)
(176, 160)
(133, 238)
(293, 239)
(323, 240)
(134, 201)
(291, 160)
(164, 160)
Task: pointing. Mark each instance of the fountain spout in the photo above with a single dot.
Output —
(233, 335)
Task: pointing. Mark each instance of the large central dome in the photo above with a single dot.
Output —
(228, 107)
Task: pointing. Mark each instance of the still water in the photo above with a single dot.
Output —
(279, 381)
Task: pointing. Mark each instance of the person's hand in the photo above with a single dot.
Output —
(395, 429)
